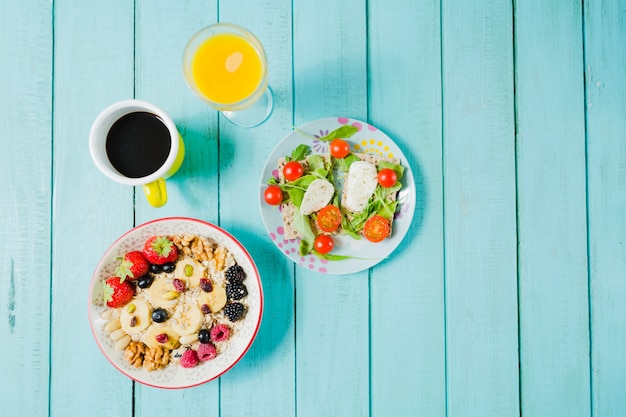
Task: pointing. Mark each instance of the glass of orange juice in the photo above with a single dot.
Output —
(225, 65)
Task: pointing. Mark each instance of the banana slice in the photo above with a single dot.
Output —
(162, 335)
(190, 271)
(187, 318)
(163, 294)
(216, 299)
(135, 316)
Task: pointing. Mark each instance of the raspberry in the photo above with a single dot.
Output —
(206, 351)
(220, 332)
(189, 359)
(236, 290)
(235, 273)
(234, 311)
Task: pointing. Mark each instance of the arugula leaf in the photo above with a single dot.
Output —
(343, 164)
(302, 224)
(299, 153)
(331, 257)
(342, 132)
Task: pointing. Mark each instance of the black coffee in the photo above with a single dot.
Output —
(138, 144)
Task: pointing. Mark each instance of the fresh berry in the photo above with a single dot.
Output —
(156, 269)
(189, 359)
(206, 309)
(117, 292)
(204, 336)
(168, 267)
(234, 311)
(236, 290)
(179, 285)
(145, 281)
(159, 315)
(220, 332)
(206, 351)
(133, 266)
(206, 285)
(160, 250)
(235, 273)
(161, 338)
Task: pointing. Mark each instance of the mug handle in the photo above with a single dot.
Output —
(156, 193)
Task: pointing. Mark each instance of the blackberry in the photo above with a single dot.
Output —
(236, 290)
(234, 311)
(235, 273)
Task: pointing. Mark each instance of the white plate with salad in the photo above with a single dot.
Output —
(337, 196)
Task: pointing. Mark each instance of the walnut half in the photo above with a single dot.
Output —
(156, 358)
(134, 353)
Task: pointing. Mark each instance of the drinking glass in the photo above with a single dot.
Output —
(225, 65)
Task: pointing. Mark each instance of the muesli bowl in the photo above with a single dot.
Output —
(126, 334)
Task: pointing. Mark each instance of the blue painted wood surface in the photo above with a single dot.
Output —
(506, 298)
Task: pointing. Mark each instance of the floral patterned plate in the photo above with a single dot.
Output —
(177, 376)
(363, 254)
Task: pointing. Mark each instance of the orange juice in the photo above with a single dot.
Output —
(227, 69)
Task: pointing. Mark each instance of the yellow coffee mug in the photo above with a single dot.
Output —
(134, 142)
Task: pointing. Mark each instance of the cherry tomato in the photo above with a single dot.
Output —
(387, 177)
(376, 229)
(293, 170)
(323, 244)
(339, 148)
(273, 195)
(329, 218)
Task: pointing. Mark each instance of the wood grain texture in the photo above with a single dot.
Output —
(268, 369)
(332, 312)
(479, 210)
(93, 67)
(162, 30)
(553, 285)
(605, 69)
(408, 365)
(25, 170)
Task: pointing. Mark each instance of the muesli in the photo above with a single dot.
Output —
(175, 302)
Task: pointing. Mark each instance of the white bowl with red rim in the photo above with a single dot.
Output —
(175, 376)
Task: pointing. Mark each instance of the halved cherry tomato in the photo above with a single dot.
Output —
(339, 148)
(273, 195)
(387, 177)
(329, 218)
(376, 229)
(293, 170)
(323, 244)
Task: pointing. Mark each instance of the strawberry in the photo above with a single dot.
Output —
(159, 250)
(134, 265)
(117, 292)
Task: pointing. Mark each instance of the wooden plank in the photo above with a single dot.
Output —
(268, 369)
(479, 204)
(93, 67)
(408, 367)
(605, 30)
(552, 229)
(25, 171)
(332, 312)
(162, 30)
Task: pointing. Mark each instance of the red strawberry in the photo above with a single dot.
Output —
(117, 292)
(134, 265)
(159, 250)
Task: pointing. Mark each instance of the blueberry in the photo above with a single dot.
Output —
(169, 267)
(159, 315)
(204, 336)
(145, 281)
(155, 269)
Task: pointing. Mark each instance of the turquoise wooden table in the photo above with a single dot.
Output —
(506, 298)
